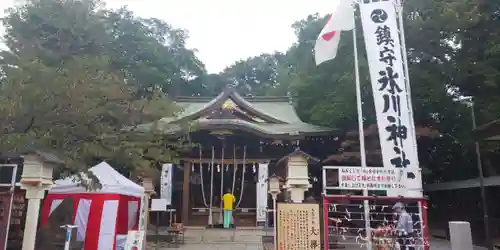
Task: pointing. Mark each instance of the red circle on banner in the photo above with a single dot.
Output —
(328, 36)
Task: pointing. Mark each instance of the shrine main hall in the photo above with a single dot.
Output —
(240, 142)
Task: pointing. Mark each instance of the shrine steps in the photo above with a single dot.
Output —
(243, 235)
(241, 221)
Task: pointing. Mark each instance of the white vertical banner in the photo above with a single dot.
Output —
(262, 192)
(394, 121)
(166, 183)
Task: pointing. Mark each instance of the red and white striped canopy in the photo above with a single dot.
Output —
(100, 215)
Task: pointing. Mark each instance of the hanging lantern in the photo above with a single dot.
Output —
(274, 185)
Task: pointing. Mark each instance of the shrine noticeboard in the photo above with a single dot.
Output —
(298, 226)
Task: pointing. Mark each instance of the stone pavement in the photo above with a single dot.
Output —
(245, 239)
(218, 239)
(437, 244)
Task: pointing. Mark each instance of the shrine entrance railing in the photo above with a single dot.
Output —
(344, 223)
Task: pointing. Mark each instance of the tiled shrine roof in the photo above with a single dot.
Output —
(267, 116)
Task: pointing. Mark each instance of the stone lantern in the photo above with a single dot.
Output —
(147, 184)
(297, 175)
(274, 185)
(36, 178)
(149, 190)
(36, 171)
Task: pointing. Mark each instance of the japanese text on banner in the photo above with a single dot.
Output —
(379, 19)
(166, 183)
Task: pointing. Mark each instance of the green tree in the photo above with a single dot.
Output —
(258, 76)
(78, 78)
(444, 64)
(81, 111)
(431, 81)
(149, 51)
(334, 79)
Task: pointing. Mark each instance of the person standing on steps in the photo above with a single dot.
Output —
(228, 200)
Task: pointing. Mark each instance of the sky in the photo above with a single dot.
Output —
(225, 31)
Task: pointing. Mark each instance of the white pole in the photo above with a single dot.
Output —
(234, 168)
(67, 240)
(276, 247)
(366, 204)
(420, 205)
(210, 219)
(171, 210)
(323, 172)
(221, 216)
(399, 10)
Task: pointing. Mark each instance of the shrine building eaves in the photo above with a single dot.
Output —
(267, 116)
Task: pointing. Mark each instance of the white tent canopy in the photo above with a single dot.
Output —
(111, 181)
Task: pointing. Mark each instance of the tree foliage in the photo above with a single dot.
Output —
(77, 79)
(453, 52)
(80, 110)
(79, 49)
(149, 52)
(258, 76)
(261, 75)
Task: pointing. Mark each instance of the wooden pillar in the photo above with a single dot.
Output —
(185, 192)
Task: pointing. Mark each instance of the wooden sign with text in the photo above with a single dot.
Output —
(298, 226)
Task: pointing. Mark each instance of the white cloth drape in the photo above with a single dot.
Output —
(108, 225)
(262, 192)
(82, 217)
(133, 207)
(54, 205)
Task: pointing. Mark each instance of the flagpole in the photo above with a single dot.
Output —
(361, 132)
(399, 10)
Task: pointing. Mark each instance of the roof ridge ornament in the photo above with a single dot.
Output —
(299, 152)
(229, 104)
